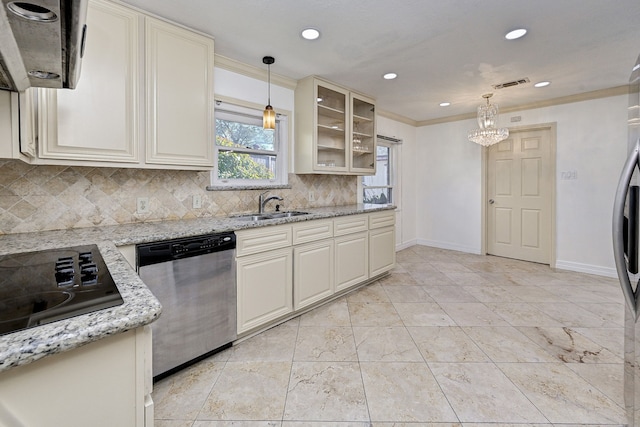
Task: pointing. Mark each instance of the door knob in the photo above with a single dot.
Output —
(491, 201)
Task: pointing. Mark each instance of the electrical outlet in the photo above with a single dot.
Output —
(197, 201)
(142, 205)
(312, 196)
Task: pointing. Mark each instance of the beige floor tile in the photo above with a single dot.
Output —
(610, 338)
(326, 391)
(321, 343)
(237, 424)
(371, 293)
(463, 278)
(446, 344)
(385, 344)
(404, 392)
(607, 378)
(325, 424)
(449, 294)
(173, 423)
(479, 392)
(571, 315)
(182, 395)
(398, 279)
(611, 314)
(373, 314)
(569, 346)
(407, 294)
(519, 314)
(415, 425)
(422, 314)
(450, 267)
(335, 313)
(493, 293)
(275, 344)
(562, 395)
(472, 314)
(248, 391)
(431, 278)
(507, 344)
(530, 293)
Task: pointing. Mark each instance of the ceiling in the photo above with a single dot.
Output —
(451, 50)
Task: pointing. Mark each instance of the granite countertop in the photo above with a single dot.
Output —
(140, 306)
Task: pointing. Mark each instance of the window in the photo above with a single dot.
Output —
(378, 188)
(246, 154)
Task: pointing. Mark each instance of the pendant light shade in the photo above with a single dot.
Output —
(269, 116)
(487, 133)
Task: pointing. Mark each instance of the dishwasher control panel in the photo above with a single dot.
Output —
(156, 252)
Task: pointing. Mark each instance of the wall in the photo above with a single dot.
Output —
(37, 198)
(591, 140)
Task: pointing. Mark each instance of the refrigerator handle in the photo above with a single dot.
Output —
(630, 296)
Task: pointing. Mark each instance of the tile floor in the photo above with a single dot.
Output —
(448, 339)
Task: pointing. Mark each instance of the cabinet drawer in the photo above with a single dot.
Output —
(350, 224)
(310, 231)
(262, 239)
(382, 219)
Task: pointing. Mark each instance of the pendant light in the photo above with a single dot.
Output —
(269, 116)
(488, 134)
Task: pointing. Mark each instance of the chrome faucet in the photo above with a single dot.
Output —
(262, 201)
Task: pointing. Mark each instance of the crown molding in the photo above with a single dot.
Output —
(586, 96)
(259, 73)
(397, 117)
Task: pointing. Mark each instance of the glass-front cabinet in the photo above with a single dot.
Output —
(363, 132)
(335, 130)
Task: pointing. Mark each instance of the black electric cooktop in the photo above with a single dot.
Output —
(46, 286)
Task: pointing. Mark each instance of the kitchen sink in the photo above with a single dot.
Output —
(273, 215)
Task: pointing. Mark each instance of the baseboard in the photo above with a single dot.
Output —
(406, 245)
(586, 268)
(450, 246)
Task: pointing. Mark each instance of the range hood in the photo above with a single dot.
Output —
(41, 43)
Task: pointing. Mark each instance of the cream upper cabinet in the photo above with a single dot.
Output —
(179, 77)
(144, 100)
(335, 129)
(98, 120)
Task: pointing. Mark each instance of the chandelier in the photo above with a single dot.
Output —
(488, 134)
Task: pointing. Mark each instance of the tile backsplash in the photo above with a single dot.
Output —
(38, 198)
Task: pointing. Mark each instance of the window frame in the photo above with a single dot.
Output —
(395, 146)
(238, 108)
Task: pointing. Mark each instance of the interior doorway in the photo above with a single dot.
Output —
(519, 195)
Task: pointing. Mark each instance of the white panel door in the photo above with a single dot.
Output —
(519, 197)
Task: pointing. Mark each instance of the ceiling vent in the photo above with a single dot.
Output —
(513, 83)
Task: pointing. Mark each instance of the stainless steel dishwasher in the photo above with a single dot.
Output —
(195, 281)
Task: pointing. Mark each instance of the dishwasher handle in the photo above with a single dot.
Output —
(169, 250)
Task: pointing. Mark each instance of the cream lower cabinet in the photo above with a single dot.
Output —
(265, 288)
(382, 251)
(352, 260)
(313, 271)
(102, 384)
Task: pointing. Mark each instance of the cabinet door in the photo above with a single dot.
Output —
(382, 251)
(265, 288)
(332, 128)
(99, 119)
(313, 277)
(179, 73)
(363, 135)
(352, 260)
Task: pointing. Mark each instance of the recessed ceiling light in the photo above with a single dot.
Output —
(310, 33)
(390, 76)
(445, 104)
(515, 34)
(542, 84)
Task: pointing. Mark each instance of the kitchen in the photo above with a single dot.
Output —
(457, 229)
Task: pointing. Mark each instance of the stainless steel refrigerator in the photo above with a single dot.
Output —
(626, 228)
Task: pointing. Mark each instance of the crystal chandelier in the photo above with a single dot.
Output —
(488, 134)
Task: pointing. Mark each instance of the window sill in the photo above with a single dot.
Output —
(248, 187)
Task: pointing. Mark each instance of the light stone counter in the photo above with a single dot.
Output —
(140, 306)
